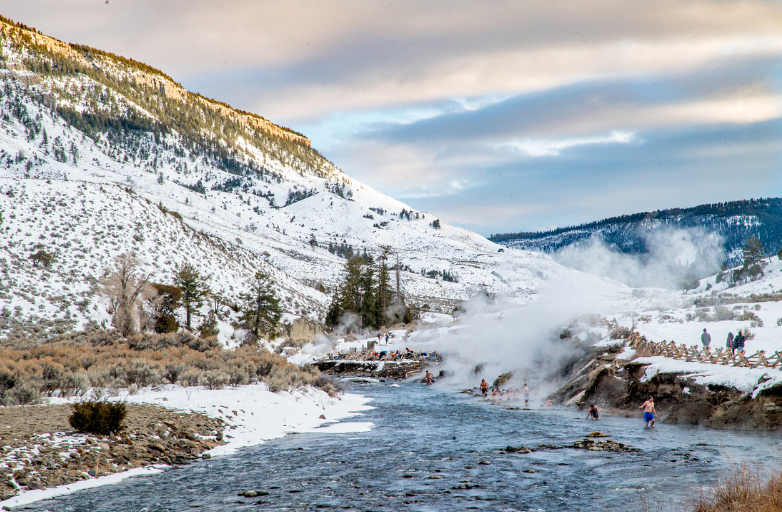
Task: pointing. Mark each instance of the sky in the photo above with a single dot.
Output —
(499, 116)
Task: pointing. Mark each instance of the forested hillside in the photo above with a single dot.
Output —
(733, 221)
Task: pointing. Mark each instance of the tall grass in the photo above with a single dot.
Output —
(743, 490)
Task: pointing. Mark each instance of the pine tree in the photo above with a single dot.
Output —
(194, 290)
(754, 261)
(369, 308)
(208, 327)
(168, 302)
(348, 296)
(260, 306)
(385, 292)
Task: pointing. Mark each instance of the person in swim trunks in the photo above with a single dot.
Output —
(649, 411)
(484, 387)
(593, 413)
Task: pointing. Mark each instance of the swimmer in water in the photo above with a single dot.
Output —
(429, 377)
(593, 413)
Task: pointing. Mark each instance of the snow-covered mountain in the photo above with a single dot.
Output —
(101, 155)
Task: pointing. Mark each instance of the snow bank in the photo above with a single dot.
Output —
(744, 379)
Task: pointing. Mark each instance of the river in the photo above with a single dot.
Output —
(423, 432)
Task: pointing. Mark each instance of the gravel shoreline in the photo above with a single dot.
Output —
(39, 449)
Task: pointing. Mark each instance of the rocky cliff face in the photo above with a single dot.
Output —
(618, 387)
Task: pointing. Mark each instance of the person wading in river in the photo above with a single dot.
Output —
(649, 411)
(484, 387)
(429, 377)
(593, 413)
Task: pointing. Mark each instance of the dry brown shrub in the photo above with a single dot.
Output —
(72, 363)
(743, 490)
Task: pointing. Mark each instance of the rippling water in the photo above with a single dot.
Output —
(422, 432)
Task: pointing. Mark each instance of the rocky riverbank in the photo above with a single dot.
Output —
(40, 449)
(384, 369)
(684, 393)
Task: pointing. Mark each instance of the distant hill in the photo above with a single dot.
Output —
(733, 221)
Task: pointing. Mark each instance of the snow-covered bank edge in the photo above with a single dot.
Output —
(252, 414)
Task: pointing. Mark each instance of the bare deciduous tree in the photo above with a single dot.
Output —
(126, 285)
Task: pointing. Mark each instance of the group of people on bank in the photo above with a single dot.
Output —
(733, 343)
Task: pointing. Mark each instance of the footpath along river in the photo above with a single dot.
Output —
(425, 453)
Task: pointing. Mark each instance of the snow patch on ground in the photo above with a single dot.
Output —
(252, 413)
(747, 380)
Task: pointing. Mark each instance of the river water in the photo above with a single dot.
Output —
(421, 432)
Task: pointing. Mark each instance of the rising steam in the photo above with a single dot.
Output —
(673, 257)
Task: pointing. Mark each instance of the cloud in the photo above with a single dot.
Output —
(503, 116)
(304, 59)
(553, 147)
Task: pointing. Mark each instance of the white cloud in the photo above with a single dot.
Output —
(553, 147)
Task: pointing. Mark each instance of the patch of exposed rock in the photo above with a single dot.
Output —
(619, 386)
(39, 449)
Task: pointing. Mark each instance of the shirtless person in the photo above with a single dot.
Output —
(429, 377)
(649, 411)
(593, 413)
(484, 387)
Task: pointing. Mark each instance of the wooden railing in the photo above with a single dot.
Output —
(682, 352)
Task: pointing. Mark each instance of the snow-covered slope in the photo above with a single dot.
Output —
(94, 149)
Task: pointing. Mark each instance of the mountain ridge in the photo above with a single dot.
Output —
(734, 221)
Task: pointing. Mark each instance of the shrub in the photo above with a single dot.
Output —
(52, 377)
(190, 377)
(779, 321)
(173, 371)
(327, 384)
(140, 373)
(214, 379)
(75, 384)
(620, 333)
(238, 376)
(98, 417)
(749, 315)
(22, 394)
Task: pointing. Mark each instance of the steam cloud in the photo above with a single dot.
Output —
(673, 255)
(492, 338)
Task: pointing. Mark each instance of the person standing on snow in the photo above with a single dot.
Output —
(705, 339)
(738, 342)
(730, 345)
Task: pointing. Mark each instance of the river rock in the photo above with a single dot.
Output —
(485, 462)
(435, 477)
(603, 446)
(597, 433)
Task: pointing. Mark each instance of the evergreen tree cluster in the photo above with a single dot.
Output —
(258, 310)
(295, 196)
(365, 297)
(345, 250)
(409, 215)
